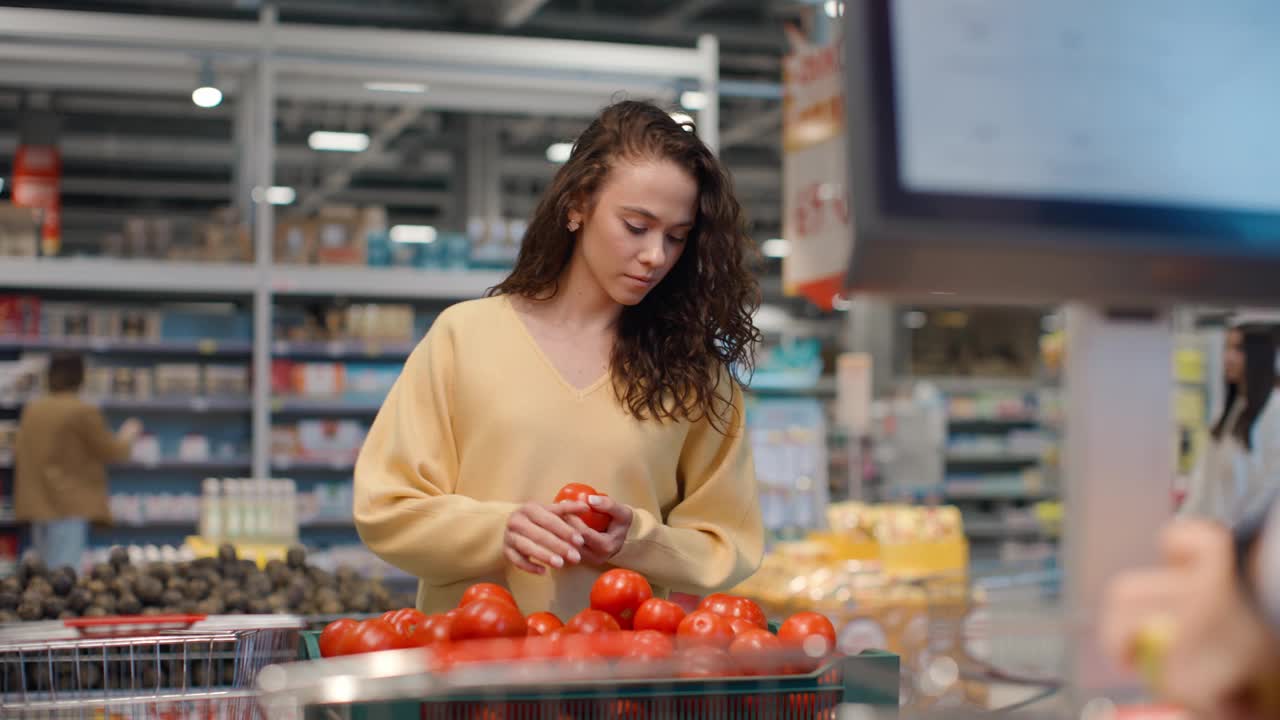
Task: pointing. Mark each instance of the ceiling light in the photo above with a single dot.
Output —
(693, 99)
(833, 8)
(421, 234)
(281, 195)
(330, 141)
(207, 95)
(559, 153)
(396, 87)
(776, 248)
(684, 119)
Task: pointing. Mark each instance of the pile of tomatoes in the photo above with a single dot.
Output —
(725, 635)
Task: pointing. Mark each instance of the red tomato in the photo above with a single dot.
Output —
(703, 662)
(705, 628)
(649, 645)
(334, 634)
(488, 618)
(405, 621)
(433, 630)
(620, 593)
(589, 622)
(757, 652)
(542, 623)
(717, 603)
(486, 590)
(577, 492)
(731, 606)
(371, 636)
(809, 633)
(740, 626)
(658, 614)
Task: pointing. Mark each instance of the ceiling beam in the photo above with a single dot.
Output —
(514, 13)
(741, 37)
(337, 180)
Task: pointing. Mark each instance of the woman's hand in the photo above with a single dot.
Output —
(1214, 648)
(538, 536)
(600, 547)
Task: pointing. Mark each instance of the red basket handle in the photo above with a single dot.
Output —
(88, 625)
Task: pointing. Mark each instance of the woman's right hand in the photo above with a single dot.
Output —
(538, 536)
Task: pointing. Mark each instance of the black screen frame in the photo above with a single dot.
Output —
(921, 245)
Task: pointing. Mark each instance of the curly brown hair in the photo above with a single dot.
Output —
(673, 348)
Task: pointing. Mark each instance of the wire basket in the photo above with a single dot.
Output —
(81, 667)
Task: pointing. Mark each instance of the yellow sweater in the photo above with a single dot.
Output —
(480, 421)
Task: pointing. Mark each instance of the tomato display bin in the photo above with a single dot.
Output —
(396, 686)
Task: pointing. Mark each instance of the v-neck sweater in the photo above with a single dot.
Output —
(480, 421)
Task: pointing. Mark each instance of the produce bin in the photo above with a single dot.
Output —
(397, 685)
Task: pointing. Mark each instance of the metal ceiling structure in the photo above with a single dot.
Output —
(133, 142)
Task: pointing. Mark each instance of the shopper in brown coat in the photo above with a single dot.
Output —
(63, 447)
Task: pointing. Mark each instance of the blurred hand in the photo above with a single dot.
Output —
(538, 536)
(600, 547)
(131, 430)
(1218, 651)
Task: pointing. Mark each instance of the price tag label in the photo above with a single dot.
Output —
(207, 346)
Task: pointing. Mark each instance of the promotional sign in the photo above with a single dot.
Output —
(815, 207)
(37, 172)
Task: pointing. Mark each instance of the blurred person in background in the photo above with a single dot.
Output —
(63, 447)
(1204, 624)
(1241, 463)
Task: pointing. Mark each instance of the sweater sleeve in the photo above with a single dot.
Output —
(405, 476)
(714, 538)
(105, 445)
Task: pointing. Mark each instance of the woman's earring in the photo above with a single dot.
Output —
(573, 226)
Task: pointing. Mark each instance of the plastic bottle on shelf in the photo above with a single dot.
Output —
(211, 511)
(264, 508)
(289, 507)
(232, 513)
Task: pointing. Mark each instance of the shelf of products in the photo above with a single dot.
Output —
(207, 347)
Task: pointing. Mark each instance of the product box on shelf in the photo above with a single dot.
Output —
(369, 381)
(19, 315)
(330, 440)
(177, 379)
(319, 380)
(296, 241)
(226, 380)
(8, 436)
(341, 236)
(19, 231)
(284, 443)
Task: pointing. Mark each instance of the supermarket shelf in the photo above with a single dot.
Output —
(207, 347)
(168, 465)
(199, 405)
(132, 276)
(325, 406)
(963, 421)
(826, 386)
(403, 283)
(995, 529)
(992, 458)
(955, 384)
(999, 493)
(285, 466)
(364, 349)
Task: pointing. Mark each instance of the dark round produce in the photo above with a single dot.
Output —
(297, 592)
(104, 572)
(152, 611)
(259, 606)
(97, 587)
(79, 599)
(8, 616)
(331, 607)
(119, 557)
(121, 585)
(67, 615)
(198, 589)
(160, 571)
(128, 604)
(296, 557)
(9, 600)
(258, 586)
(236, 601)
(29, 611)
(11, 584)
(227, 553)
(233, 571)
(149, 589)
(211, 606)
(32, 565)
(54, 606)
(171, 598)
(40, 585)
(95, 611)
(106, 602)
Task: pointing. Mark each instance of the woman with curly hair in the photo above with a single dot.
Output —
(607, 358)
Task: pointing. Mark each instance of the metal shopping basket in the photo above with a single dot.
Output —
(155, 667)
(401, 684)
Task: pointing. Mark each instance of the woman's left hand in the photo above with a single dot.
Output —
(600, 547)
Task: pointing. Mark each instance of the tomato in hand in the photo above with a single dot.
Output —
(702, 662)
(757, 652)
(649, 645)
(486, 590)
(810, 634)
(371, 636)
(334, 634)
(542, 623)
(620, 593)
(702, 628)
(433, 630)
(658, 614)
(577, 492)
(488, 618)
(589, 622)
